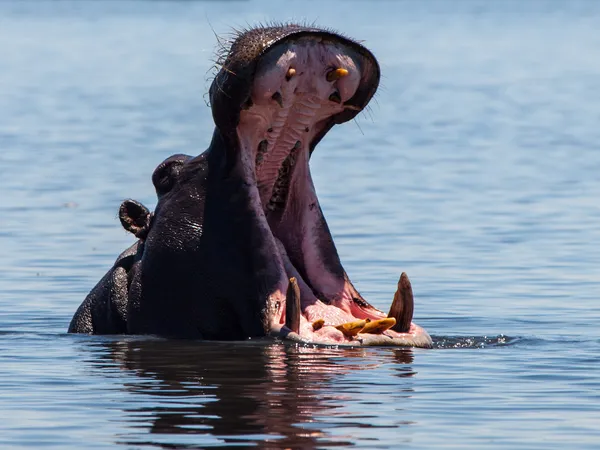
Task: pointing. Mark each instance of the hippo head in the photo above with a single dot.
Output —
(238, 246)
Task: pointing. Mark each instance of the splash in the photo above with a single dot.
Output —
(473, 341)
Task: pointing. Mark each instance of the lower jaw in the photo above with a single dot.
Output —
(415, 337)
(305, 319)
(342, 318)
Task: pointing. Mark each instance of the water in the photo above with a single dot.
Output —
(476, 171)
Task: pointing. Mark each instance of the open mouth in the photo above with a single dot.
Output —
(347, 322)
(299, 89)
(237, 246)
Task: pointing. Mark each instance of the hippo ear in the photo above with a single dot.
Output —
(135, 218)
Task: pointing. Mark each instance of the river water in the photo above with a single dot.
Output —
(476, 170)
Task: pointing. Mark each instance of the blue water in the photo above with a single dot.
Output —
(476, 171)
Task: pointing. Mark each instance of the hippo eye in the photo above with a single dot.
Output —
(164, 178)
(166, 174)
(163, 181)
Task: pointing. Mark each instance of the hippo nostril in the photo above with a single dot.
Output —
(290, 73)
(278, 98)
(336, 74)
(270, 130)
(335, 97)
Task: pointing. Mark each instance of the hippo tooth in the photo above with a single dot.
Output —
(292, 306)
(352, 328)
(335, 97)
(318, 324)
(278, 98)
(379, 326)
(290, 73)
(336, 74)
(403, 305)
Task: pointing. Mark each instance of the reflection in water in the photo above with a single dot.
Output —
(195, 394)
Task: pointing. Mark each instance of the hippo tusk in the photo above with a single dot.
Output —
(290, 73)
(292, 306)
(403, 305)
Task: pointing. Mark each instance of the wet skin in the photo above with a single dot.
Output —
(237, 246)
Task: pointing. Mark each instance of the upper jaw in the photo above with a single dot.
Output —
(232, 87)
(272, 109)
(293, 98)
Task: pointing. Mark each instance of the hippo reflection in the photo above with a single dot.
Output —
(237, 246)
(186, 394)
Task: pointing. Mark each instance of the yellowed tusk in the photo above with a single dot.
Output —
(379, 326)
(352, 328)
(318, 324)
(290, 73)
(403, 305)
(336, 74)
(292, 306)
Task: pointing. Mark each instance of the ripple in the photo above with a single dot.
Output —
(443, 342)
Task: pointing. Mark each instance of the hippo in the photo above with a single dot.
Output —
(237, 247)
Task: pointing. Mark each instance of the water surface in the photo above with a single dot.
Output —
(476, 171)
